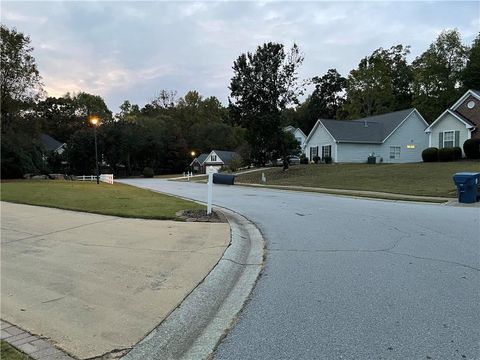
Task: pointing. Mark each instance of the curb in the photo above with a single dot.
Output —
(196, 326)
(355, 193)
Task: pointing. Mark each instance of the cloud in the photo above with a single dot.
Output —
(130, 50)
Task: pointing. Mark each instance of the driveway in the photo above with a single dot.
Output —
(353, 278)
(94, 283)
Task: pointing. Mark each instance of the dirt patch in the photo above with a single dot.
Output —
(201, 216)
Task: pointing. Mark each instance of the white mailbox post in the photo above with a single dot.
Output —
(210, 171)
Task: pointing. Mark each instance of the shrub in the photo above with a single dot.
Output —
(148, 172)
(471, 148)
(446, 154)
(303, 159)
(430, 154)
(327, 159)
(457, 153)
(316, 159)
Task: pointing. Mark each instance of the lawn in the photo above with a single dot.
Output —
(117, 199)
(8, 352)
(424, 179)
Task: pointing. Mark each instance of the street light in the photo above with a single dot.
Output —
(95, 121)
(193, 153)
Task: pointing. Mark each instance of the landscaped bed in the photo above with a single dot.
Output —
(421, 179)
(117, 199)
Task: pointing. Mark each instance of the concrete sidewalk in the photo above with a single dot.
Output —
(94, 283)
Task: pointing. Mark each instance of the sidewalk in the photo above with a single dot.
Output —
(93, 283)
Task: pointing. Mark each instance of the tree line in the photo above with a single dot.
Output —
(265, 94)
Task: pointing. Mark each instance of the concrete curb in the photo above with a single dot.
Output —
(354, 193)
(196, 326)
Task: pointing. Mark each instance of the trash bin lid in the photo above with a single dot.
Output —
(466, 175)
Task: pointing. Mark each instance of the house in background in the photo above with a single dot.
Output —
(218, 159)
(397, 137)
(299, 136)
(51, 145)
(197, 163)
(457, 124)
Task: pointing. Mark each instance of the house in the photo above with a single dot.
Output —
(457, 124)
(51, 145)
(216, 158)
(197, 163)
(299, 136)
(396, 137)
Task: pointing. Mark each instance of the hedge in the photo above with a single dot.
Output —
(471, 148)
(430, 154)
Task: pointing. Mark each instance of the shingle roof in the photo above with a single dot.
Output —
(49, 143)
(373, 129)
(225, 156)
(200, 158)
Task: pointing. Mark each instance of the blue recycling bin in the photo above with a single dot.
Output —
(467, 186)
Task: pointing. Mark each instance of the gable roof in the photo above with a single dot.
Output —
(293, 129)
(225, 156)
(468, 124)
(200, 158)
(474, 93)
(372, 129)
(49, 143)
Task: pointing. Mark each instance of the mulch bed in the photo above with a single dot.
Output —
(201, 216)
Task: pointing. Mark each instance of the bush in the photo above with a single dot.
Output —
(316, 159)
(303, 159)
(457, 153)
(430, 154)
(327, 159)
(471, 148)
(148, 172)
(446, 154)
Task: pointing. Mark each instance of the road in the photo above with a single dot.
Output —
(353, 278)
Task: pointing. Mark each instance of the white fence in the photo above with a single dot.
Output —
(107, 178)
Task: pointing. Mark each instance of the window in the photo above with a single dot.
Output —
(394, 152)
(448, 139)
(213, 158)
(313, 152)
(471, 104)
(326, 151)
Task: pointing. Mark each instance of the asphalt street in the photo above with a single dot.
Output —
(350, 278)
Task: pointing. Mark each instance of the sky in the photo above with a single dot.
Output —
(130, 50)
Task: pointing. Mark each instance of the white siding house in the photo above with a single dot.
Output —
(457, 124)
(299, 136)
(397, 137)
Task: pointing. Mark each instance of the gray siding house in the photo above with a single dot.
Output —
(397, 137)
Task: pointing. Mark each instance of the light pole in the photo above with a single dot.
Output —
(94, 120)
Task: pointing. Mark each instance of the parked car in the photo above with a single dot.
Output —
(292, 160)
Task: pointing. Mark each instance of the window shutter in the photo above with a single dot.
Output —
(440, 140)
(457, 138)
(317, 150)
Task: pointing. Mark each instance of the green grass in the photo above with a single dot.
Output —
(421, 179)
(117, 199)
(8, 352)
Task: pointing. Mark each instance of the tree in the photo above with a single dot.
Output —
(20, 80)
(437, 74)
(21, 86)
(380, 84)
(264, 83)
(325, 100)
(471, 73)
